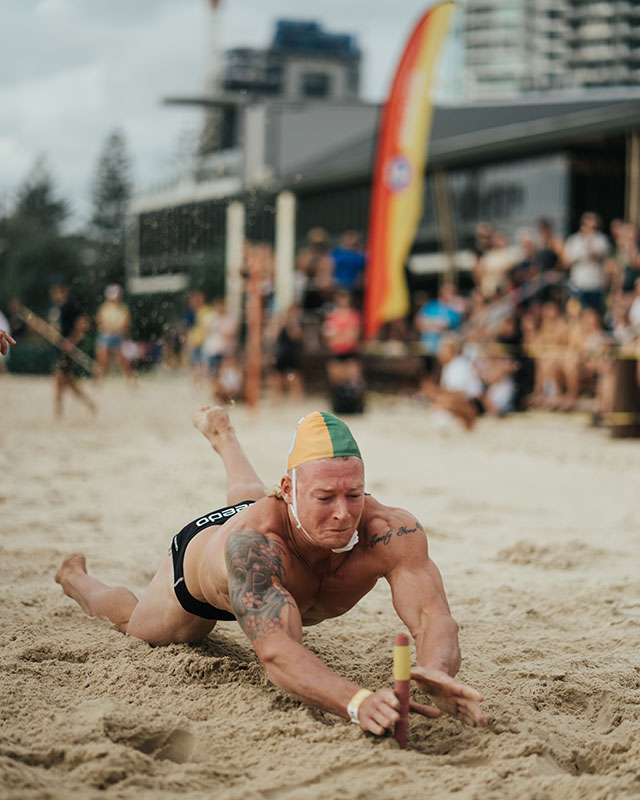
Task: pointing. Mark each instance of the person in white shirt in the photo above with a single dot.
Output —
(584, 256)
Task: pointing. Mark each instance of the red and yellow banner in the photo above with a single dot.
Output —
(398, 175)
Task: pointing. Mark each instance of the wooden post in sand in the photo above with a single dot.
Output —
(402, 676)
(624, 418)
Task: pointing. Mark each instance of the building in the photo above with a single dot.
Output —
(505, 162)
(542, 45)
(276, 109)
(304, 62)
(290, 165)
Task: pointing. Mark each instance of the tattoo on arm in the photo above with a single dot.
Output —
(385, 538)
(254, 563)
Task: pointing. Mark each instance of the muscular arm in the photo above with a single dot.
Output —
(421, 603)
(271, 619)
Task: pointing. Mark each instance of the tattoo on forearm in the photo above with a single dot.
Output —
(253, 562)
(385, 538)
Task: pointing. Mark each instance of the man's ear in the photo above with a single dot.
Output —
(286, 489)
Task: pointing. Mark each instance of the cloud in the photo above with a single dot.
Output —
(90, 73)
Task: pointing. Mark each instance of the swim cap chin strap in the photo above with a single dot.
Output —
(294, 507)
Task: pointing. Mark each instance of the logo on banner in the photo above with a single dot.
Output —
(397, 173)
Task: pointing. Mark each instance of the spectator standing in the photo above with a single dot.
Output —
(584, 256)
(313, 271)
(67, 317)
(287, 358)
(220, 337)
(113, 320)
(549, 247)
(196, 320)
(348, 265)
(495, 265)
(341, 330)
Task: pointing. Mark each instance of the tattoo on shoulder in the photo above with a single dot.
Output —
(385, 538)
(253, 562)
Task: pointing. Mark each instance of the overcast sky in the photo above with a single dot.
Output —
(73, 70)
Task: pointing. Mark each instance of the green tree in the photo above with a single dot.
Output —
(111, 193)
(32, 245)
(36, 208)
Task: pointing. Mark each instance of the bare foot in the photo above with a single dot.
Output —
(71, 566)
(213, 422)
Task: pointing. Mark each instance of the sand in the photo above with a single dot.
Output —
(534, 522)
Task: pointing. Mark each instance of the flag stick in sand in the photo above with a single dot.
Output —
(402, 677)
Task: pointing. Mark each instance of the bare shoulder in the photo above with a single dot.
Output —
(258, 532)
(265, 515)
(393, 533)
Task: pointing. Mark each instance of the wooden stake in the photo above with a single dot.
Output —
(402, 677)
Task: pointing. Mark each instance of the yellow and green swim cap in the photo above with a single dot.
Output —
(321, 435)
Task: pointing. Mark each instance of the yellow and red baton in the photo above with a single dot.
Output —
(402, 677)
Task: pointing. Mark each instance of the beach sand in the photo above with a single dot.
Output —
(534, 522)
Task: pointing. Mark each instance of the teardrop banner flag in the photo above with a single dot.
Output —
(398, 174)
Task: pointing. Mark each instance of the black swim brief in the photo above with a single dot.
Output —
(178, 547)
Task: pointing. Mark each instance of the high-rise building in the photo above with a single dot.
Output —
(540, 45)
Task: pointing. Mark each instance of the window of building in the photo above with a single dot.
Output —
(316, 84)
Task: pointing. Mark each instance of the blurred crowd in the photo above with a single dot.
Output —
(542, 324)
(323, 320)
(537, 323)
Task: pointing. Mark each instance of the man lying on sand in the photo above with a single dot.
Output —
(296, 557)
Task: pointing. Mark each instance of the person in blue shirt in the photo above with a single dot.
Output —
(436, 317)
(348, 264)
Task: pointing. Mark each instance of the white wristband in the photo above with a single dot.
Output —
(354, 704)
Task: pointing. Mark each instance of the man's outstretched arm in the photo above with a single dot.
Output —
(271, 619)
(420, 600)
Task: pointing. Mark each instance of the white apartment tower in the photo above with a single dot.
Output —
(513, 47)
